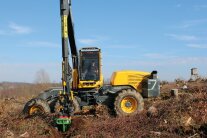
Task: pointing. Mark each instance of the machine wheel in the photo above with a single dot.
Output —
(75, 105)
(35, 106)
(128, 102)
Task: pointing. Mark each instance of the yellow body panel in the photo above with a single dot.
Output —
(130, 78)
(91, 84)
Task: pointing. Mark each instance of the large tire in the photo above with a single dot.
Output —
(76, 106)
(128, 102)
(36, 106)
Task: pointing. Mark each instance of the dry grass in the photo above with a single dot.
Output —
(182, 117)
(22, 90)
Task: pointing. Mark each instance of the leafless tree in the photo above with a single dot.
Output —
(42, 76)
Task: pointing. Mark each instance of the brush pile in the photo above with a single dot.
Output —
(166, 116)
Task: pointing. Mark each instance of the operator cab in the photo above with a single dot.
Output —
(90, 64)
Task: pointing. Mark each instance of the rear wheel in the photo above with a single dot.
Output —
(128, 102)
(36, 106)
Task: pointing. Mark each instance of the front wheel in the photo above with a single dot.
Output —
(35, 106)
(128, 102)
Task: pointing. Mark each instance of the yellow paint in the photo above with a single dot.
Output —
(64, 83)
(93, 84)
(130, 78)
(71, 95)
(65, 26)
(75, 79)
(129, 105)
(35, 109)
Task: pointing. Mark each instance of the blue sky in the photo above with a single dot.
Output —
(165, 35)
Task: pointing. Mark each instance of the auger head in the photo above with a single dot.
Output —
(63, 123)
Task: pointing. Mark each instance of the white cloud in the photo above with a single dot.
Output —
(189, 61)
(159, 56)
(15, 29)
(165, 62)
(18, 29)
(119, 46)
(198, 46)
(191, 23)
(115, 56)
(88, 41)
(155, 55)
(43, 44)
(183, 37)
(93, 40)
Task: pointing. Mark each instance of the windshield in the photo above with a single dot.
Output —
(89, 65)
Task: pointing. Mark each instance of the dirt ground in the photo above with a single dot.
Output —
(166, 116)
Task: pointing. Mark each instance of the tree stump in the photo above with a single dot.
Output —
(174, 93)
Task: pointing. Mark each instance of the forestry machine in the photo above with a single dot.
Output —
(83, 85)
